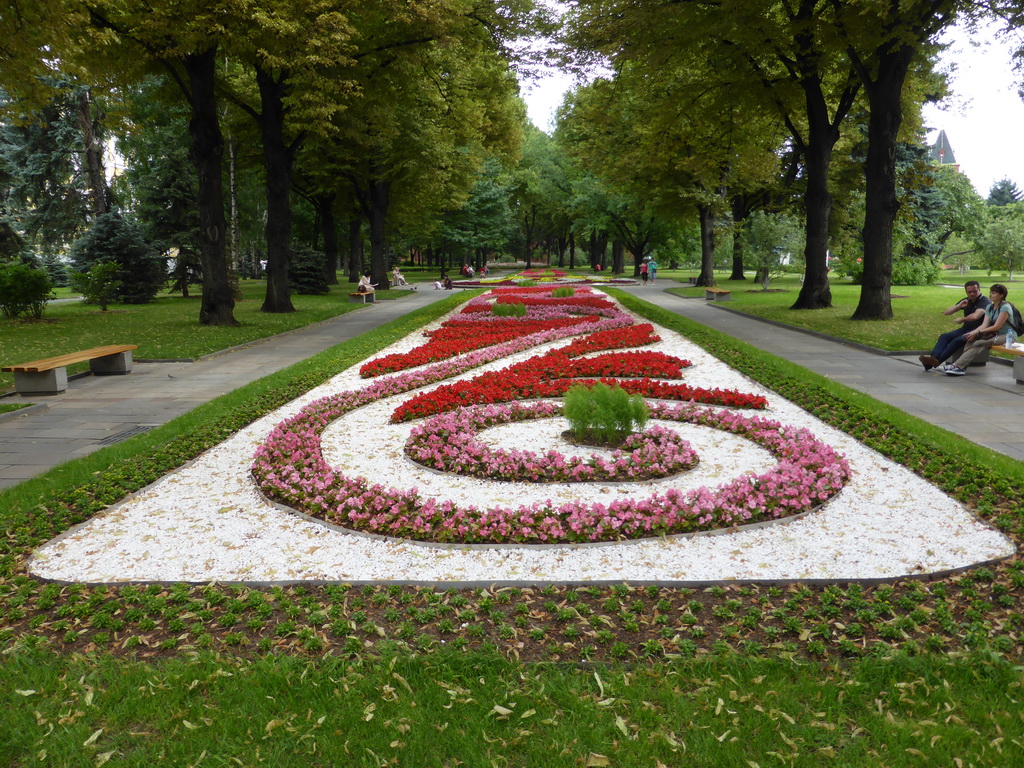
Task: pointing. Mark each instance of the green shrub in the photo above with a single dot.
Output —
(913, 271)
(509, 309)
(24, 290)
(564, 292)
(306, 272)
(526, 283)
(99, 285)
(141, 273)
(603, 413)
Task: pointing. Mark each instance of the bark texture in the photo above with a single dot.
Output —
(207, 151)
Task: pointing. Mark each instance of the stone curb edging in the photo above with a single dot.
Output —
(23, 411)
(667, 584)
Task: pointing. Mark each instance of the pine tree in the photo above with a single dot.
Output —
(1004, 192)
(113, 239)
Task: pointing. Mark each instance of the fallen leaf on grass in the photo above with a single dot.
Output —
(595, 760)
(92, 739)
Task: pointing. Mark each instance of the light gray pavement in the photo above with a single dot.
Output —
(986, 405)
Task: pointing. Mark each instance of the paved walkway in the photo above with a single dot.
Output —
(986, 404)
(98, 411)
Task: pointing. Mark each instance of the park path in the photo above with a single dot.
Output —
(985, 406)
(98, 411)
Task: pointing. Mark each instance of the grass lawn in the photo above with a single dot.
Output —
(167, 328)
(917, 310)
(858, 674)
(448, 708)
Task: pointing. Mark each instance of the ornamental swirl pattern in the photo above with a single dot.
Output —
(289, 467)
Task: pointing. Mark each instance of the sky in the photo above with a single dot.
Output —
(983, 118)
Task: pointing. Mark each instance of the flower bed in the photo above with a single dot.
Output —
(450, 443)
(448, 342)
(552, 375)
(289, 468)
(205, 522)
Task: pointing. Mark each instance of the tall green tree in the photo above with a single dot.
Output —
(131, 40)
(296, 57)
(433, 101)
(1001, 244)
(963, 209)
(884, 39)
(44, 186)
(787, 53)
(1004, 192)
(155, 146)
(484, 223)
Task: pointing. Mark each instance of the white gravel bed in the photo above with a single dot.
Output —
(207, 522)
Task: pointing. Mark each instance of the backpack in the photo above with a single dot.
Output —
(1015, 321)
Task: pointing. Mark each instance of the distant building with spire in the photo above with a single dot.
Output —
(942, 152)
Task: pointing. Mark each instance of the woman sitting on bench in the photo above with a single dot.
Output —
(398, 277)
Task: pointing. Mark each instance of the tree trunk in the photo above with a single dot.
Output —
(880, 202)
(380, 200)
(234, 250)
(572, 251)
(618, 257)
(822, 135)
(329, 230)
(355, 248)
(529, 227)
(740, 212)
(277, 158)
(93, 154)
(207, 149)
(707, 245)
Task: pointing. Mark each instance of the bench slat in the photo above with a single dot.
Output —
(49, 363)
(1000, 348)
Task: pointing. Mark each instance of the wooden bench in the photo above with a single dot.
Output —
(363, 297)
(692, 280)
(717, 294)
(50, 376)
(1018, 363)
